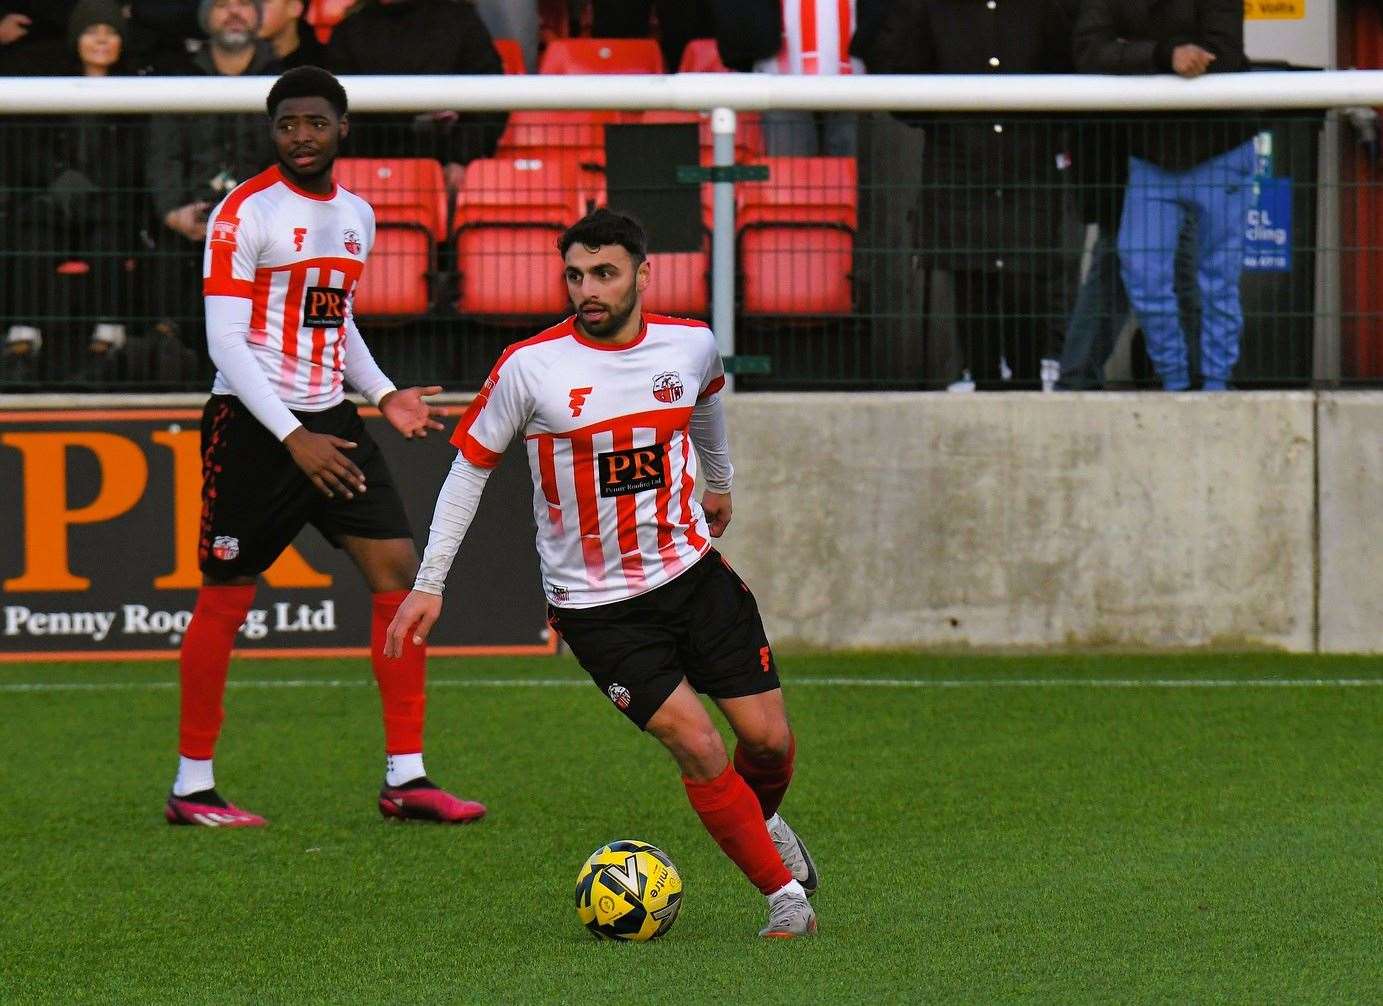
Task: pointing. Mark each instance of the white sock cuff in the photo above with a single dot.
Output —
(194, 775)
(791, 887)
(402, 768)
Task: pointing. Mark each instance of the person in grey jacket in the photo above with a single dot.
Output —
(194, 161)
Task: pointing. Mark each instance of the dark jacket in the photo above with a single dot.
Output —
(44, 49)
(309, 52)
(203, 157)
(1138, 37)
(991, 186)
(747, 30)
(417, 37)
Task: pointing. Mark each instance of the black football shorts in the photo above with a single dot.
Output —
(703, 626)
(255, 499)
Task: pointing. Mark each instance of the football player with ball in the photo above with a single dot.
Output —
(610, 404)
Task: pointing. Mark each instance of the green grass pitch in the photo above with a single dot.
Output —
(1019, 828)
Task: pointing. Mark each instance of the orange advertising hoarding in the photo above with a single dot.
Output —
(99, 519)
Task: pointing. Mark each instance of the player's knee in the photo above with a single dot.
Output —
(770, 744)
(701, 753)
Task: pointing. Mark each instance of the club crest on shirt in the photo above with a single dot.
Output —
(224, 230)
(225, 548)
(667, 387)
(352, 241)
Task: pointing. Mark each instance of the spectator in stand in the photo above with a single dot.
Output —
(163, 33)
(19, 359)
(293, 41)
(79, 198)
(1198, 169)
(516, 19)
(33, 37)
(194, 161)
(991, 204)
(679, 21)
(814, 41)
(419, 37)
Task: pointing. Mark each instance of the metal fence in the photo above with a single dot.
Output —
(871, 250)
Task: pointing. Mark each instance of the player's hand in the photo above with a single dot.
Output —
(13, 27)
(416, 615)
(189, 220)
(408, 413)
(1191, 60)
(319, 456)
(718, 511)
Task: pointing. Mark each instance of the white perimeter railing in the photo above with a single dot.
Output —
(722, 95)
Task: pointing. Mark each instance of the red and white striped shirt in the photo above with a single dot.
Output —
(606, 428)
(816, 39)
(297, 257)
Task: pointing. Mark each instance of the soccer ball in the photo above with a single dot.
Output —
(628, 890)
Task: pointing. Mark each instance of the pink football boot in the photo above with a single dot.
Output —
(423, 800)
(207, 810)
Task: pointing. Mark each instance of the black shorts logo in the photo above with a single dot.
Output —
(633, 471)
(324, 307)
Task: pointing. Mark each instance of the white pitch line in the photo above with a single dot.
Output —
(792, 682)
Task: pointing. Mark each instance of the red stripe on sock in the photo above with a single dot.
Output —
(203, 662)
(768, 778)
(402, 682)
(731, 813)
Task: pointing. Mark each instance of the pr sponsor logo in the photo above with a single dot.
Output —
(635, 470)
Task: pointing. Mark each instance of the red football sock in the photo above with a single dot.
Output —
(767, 778)
(202, 665)
(731, 813)
(401, 682)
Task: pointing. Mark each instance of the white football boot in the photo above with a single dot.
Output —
(795, 855)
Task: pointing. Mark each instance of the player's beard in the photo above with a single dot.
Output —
(614, 321)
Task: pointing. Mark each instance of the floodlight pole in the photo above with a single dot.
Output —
(723, 240)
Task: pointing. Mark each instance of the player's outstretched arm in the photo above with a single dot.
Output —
(416, 616)
(408, 411)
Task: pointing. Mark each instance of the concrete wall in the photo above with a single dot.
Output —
(1029, 520)
(1350, 438)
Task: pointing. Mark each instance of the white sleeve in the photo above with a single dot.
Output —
(362, 373)
(456, 506)
(711, 439)
(227, 337)
(497, 414)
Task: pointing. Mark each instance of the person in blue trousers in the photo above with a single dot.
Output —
(1195, 171)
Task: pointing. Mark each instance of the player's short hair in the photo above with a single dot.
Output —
(307, 82)
(607, 227)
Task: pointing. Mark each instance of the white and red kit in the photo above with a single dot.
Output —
(816, 39)
(610, 432)
(279, 277)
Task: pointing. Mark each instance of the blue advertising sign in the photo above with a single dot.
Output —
(1268, 229)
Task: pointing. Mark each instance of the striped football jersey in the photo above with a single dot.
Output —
(606, 430)
(297, 257)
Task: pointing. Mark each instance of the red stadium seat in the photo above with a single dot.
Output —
(409, 200)
(511, 55)
(681, 283)
(578, 134)
(602, 55)
(325, 15)
(509, 214)
(797, 236)
(702, 55)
